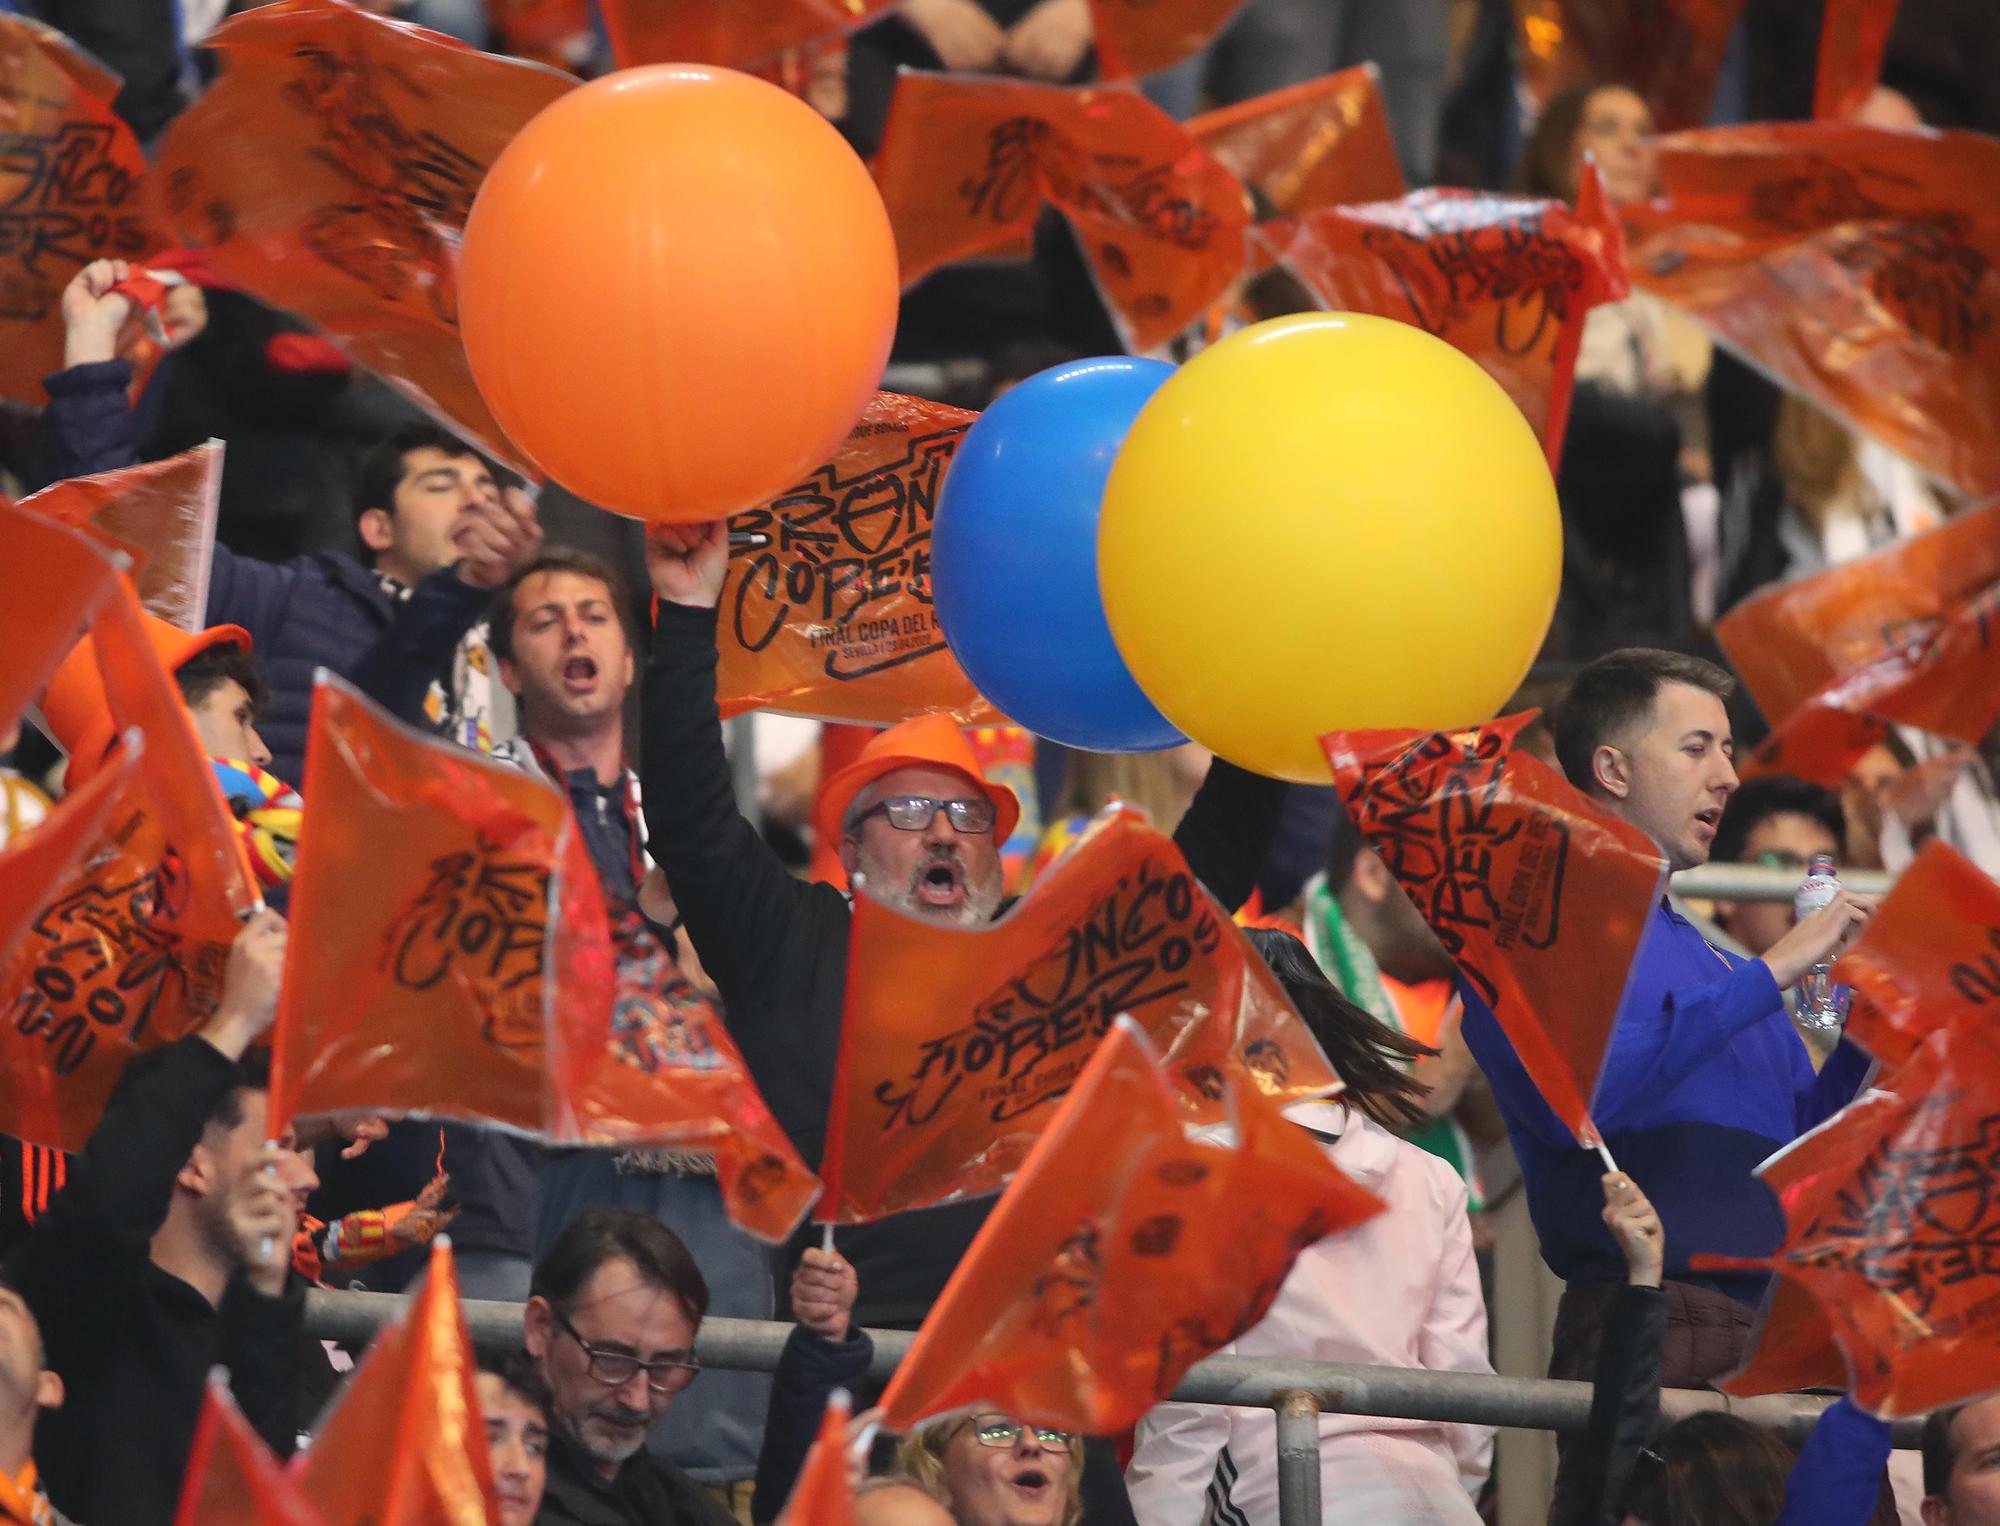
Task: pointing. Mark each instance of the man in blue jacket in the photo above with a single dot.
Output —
(432, 520)
(1705, 1076)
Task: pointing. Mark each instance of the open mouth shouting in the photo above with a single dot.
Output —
(939, 883)
(580, 674)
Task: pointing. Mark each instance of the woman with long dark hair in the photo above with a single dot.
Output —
(1399, 1290)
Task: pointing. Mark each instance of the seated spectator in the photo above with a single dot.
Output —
(1704, 1075)
(515, 1402)
(611, 1321)
(27, 1390)
(433, 523)
(1961, 1483)
(168, 1253)
(1401, 1290)
(990, 1469)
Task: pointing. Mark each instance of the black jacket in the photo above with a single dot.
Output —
(133, 1344)
(776, 947)
(648, 1491)
(1624, 1402)
(810, 1368)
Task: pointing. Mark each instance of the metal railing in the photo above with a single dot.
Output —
(1299, 1391)
(1758, 882)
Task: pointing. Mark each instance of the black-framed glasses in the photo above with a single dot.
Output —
(614, 1369)
(1004, 1431)
(912, 813)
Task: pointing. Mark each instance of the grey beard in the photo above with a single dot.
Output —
(981, 901)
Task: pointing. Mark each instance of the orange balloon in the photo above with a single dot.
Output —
(677, 291)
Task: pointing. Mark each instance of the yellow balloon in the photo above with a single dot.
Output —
(1326, 522)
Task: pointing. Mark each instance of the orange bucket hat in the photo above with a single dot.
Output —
(75, 707)
(925, 741)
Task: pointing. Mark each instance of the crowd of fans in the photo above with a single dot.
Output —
(359, 538)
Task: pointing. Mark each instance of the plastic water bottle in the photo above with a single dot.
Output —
(1821, 1004)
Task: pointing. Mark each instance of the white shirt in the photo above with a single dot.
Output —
(1401, 1290)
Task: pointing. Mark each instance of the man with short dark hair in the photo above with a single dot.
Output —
(1704, 1076)
(563, 649)
(169, 1252)
(431, 518)
(1775, 821)
(616, 1304)
(1962, 1465)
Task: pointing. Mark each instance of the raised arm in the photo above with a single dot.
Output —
(1625, 1394)
(416, 650)
(1650, 1051)
(122, 1185)
(1227, 831)
(735, 897)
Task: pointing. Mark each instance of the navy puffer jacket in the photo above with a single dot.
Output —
(322, 610)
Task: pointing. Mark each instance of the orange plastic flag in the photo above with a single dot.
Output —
(330, 172)
(1669, 51)
(1131, 1245)
(941, 1099)
(1792, 1347)
(162, 515)
(184, 792)
(673, 1077)
(1539, 896)
(69, 187)
(830, 613)
(1815, 742)
(1929, 956)
(1858, 266)
(406, 1442)
(232, 1479)
(1320, 144)
(1900, 636)
(128, 950)
(1892, 1210)
(1140, 37)
(553, 32)
(1506, 279)
(1853, 37)
(43, 859)
(1791, 640)
(967, 163)
(824, 1494)
(727, 32)
(480, 978)
(51, 579)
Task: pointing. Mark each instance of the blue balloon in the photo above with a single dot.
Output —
(1014, 556)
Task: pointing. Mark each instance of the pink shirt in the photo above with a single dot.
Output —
(1401, 1290)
